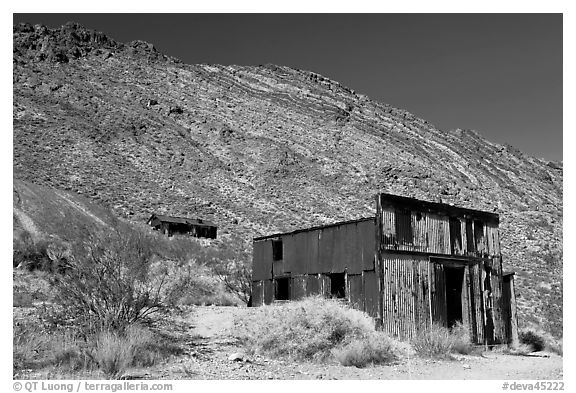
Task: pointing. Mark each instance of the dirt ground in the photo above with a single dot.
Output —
(206, 334)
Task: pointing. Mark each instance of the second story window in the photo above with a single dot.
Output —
(277, 250)
(404, 234)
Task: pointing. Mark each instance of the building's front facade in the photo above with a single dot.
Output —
(414, 264)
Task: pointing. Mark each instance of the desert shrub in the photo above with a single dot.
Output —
(27, 343)
(377, 348)
(237, 278)
(533, 339)
(461, 339)
(309, 329)
(437, 341)
(109, 285)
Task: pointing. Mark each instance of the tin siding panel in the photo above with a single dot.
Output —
(312, 258)
(290, 256)
(312, 285)
(257, 293)
(262, 260)
(355, 288)
(370, 293)
(325, 250)
(268, 291)
(299, 254)
(340, 245)
(298, 287)
(353, 249)
(366, 237)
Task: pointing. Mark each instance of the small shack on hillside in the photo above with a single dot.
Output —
(414, 264)
(183, 226)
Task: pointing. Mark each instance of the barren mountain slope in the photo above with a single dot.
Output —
(263, 148)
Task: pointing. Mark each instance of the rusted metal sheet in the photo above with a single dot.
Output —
(313, 285)
(298, 287)
(262, 260)
(257, 293)
(355, 289)
(268, 291)
(371, 293)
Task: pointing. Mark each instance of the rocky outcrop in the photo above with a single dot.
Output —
(261, 149)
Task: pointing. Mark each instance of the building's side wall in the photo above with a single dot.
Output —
(308, 259)
(416, 245)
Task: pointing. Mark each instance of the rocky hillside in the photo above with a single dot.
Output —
(262, 148)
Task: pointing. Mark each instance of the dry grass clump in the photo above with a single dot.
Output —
(437, 341)
(111, 352)
(316, 329)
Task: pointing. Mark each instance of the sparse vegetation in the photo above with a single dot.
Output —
(532, 339)
(317, 329)
(437, 341)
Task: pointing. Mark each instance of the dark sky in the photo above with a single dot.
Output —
(500, 74)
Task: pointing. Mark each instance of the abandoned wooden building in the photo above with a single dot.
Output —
(414, 264)
(183, 226)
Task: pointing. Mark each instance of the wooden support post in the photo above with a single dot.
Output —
(378, 262)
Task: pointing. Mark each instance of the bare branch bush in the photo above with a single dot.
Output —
(108, 284)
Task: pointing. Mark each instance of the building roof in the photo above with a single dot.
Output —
(316, 228)
(418, 204)
(182, 220)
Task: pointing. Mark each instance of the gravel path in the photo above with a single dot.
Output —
(207, 332)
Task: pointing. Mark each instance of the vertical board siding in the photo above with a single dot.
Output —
(262, 260)
(438, 294)
(476, 279)
(509, 304)
(405, 294)
(429, 233)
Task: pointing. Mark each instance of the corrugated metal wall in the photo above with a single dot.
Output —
(405, 304)
(413, 243)
(432, 233)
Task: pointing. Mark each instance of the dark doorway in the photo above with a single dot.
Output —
(454, 278)
(338, 285)
(282, 289)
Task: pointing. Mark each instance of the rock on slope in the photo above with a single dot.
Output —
(262, 148)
